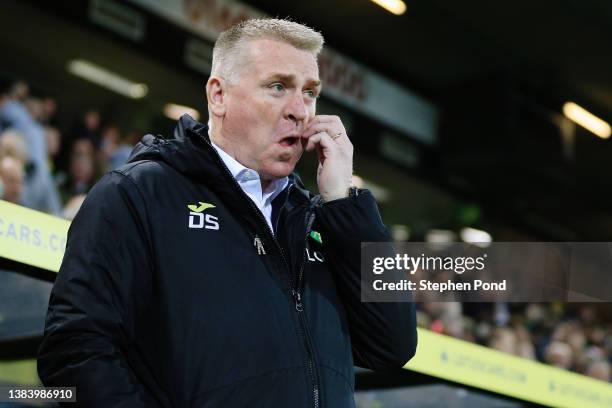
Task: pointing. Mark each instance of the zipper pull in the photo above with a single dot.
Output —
(298, 301)
(259, 245)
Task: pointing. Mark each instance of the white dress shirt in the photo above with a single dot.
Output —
(250, 183)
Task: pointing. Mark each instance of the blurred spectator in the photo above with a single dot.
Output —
(14, 150)
(535, 314)
(72, 206)
(15, 113)
(40, 193)
(81, 171)
(49, 107)
(13, 144)
(92, 120)
(35, 108)
(559, 354)
(599, 369)
(576, 339)
(115, 149)
(19, 91)
(83, 147)
(524, 345)
(11, 174)
(88, 128)
(109, 143)
(124, 150)
(504, 340)
(501, 313)
(423, 319)
(54, 143)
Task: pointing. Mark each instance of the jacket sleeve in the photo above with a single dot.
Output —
(383, 334)
(102, 286)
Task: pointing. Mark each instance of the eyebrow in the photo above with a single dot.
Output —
(291, 79)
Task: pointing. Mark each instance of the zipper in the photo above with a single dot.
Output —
(295, 284)
(310, 216)
(259, 245)
(299, 307)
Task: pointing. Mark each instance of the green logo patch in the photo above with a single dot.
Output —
(202, 207)
(316, 236)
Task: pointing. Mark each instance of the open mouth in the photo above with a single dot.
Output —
(289, 141)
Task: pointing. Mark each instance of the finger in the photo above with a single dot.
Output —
(329, 128)
(313, 141)
(322, 144)
(325, 119)
(321, 141)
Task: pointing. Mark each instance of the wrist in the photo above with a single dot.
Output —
(345, 193)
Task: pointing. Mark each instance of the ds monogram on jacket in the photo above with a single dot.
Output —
(197, 218)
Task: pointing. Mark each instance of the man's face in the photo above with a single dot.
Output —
(268, 105)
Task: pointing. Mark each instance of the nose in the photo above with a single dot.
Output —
(295, 110)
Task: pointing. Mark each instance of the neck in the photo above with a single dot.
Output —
(264, 183)
(217, 138)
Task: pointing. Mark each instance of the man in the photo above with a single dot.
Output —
(11, 178)
(203, 274)
(40, 192)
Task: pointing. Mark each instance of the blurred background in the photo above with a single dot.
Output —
(472, 121)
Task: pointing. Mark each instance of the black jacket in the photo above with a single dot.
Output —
(161, 304)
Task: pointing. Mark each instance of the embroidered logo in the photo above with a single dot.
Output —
(201, 208)
(197, 218)
(316, 236)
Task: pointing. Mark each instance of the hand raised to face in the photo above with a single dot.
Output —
(326, 134)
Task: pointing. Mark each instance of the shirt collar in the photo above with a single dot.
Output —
(243, 174)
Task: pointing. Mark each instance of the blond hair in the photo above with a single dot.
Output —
(230, 43)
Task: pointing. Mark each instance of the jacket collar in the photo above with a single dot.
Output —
(192, 154)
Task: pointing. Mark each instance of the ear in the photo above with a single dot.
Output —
(216, 88)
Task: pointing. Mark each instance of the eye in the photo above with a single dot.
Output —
(311, 93)
(278, 87)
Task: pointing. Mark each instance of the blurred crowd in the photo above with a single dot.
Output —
(569, 336)
(47, 168)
